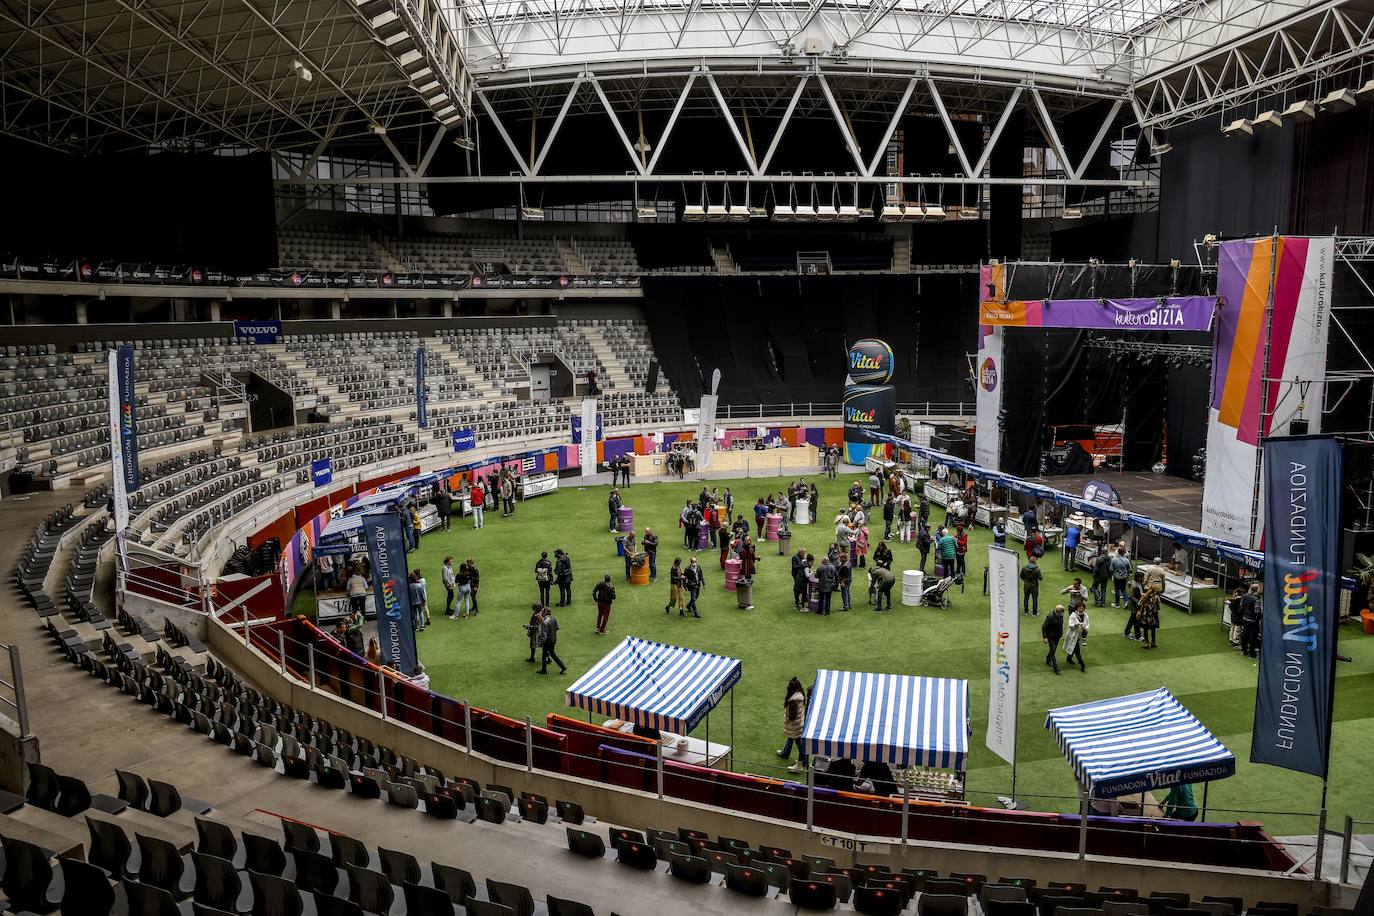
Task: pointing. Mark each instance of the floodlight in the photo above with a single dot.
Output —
(1238, 128)
(891, 214)
(826, 213)
(1268, 118)
(849, 213)
(1300, 111)
(738, 213)
(715, 213)
(1073, 213)
(302, 71)
(935, 213)
(1339, 100)
(532, 213)
(782, 213)
(645, 212)
(804, 213)
(913, 213)
(693, 213)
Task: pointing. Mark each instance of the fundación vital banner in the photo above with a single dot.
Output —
(386, 549)
(1302, 512)
(1004, 657)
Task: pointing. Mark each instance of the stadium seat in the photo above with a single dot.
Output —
(43, 788)
(534, 810)
(161, 866)
(426, 901)
(329, 905)
(1236, 904)
(147, 900)
(399, 867)
(371, 890)
(513, 896)
(274, 895)
(930, 904)
(745, 880)
(217, 883)
(488, 908)
(344, 850)
(110, 849)
(263, 855)
(1124, 908)
(693, 869)
(455, 882)
(86, 889)
(877, 901)
(1049, 904)
(571, 813)
(812, 895)
(585, 843)
(1017, 908)
(559, 907)
(299, 837)
(636, 855)
(314, 872)
(216, 839)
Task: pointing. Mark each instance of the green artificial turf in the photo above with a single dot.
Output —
(483, 658)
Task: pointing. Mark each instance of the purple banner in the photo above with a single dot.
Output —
(1175, 313)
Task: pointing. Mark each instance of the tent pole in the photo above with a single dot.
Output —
(1205, 786)
(731, 763)
(1083, 827)
(659, 766)
(810, 791)
(706, 757)
(905, 803)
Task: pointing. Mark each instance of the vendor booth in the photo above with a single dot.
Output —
(917, 725)
(1132, 744)
(646, 686)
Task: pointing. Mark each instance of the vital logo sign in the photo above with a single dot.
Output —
(854, 415)
(1298, 623)
(391, 604)
(1003, 663)
(870, 362)
(987, 374)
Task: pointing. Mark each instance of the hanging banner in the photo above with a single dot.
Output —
(586, 445)
(987, 434)
(322, 471)
(122, 369)
(386, 549)
(120, 492)
(867, 408)
(1284, 283)
(1166, 313)
(464, 439)
(421, 395)
(706, 431)
(263, 331)
(1004, 663)
(1297, 676)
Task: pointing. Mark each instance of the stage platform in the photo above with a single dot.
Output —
(1171, 500)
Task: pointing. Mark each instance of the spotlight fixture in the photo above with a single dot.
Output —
(891, 213)
(1159, 142)
(1339, 100)
(935, 213)
(378, 129)
(826, 213)
(646, 212)
(1175, 263)
(849, 213)
(737, 213)
(1268, 118)
(783, 213)
(716, 213)
(464, 143)
(758, 213)
(1366, 90)
(532, 213)
(1238, 128)
(1300, 111)
(804, 213)
(1073, 213)
(693, 213)
(913, 213)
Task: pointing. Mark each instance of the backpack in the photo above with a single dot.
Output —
(1037, 548)
(541, 575)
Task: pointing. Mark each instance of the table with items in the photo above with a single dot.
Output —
(681, 748)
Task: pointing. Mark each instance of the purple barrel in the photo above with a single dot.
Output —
(625, 519)
(813, 593)
(703, 536)
(731, 573)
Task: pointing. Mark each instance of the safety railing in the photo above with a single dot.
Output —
(566, 746)
(834, 408)
(12, 688)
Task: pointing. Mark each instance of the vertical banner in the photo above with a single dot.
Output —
(987, 433)
(421, 395)
(322, 471)
(128, 417)
(586, 448)
(1297, 676)
(1004, 662)
(870, 403)
(706, 431)
(1274, 293)
(386, 549)
(118, 478)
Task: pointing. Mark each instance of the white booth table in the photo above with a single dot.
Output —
(682, 748)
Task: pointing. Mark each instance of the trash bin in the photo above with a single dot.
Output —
(784, 543)
(620, 546)
(744, 593)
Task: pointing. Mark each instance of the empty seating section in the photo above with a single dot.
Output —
(358, 442)
(328, 249)
(606, 255)
(376, 370)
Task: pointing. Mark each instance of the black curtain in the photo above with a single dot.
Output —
(1004, 217)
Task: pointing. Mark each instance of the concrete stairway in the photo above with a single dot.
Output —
(725, 265)
(614, 377)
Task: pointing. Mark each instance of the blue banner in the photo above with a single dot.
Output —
(464, 439)
(128, 417)
(322, 472)
(386, 549)
(577, 429)
(421, 408)
(1297, 672)
(263, 331)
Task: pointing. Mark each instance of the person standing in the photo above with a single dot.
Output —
(692, 524)
(692, 579)
(507, 495)
(760, 515)
(419, 598)
(447, 577)
(713, 523)
(355, 630)
(532, 629)
(1078, 595)
(356, 587)
(1071, 536)
(1121, 577)
(477, 501)
(889, 513)
(923, 544)
(1137, 591)
(800, 578)
(474, 581)
(883, 580)
(543, 576)
(443, 501)
(844, 577)
(999, 531)
(548, 631)
(464, 582)
(415, 526)
(875, 488)
(650, 544)
(861, 546)
(947, 549)
(324, 565)
(604, 596)
(1102, 571)
(562, 572)
(1251, 615)
(1051, 631)
(1154, 576)
(675, 598)
(793, 721)
(1031, 577)
(882, 556)
(827, 577)
(1148, 615)
(904, 518)
(960, 550)
(613, 503)
(1078, 635)
(748, 556)
(628, 544)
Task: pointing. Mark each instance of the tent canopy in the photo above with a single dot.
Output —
(892, 718)
(1137, 743)
(339, 529)
(375, 501)
(655, 685)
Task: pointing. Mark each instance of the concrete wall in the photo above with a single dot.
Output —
(632, 808)
(16, 754)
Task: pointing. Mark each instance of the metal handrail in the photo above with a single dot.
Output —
(15, 685)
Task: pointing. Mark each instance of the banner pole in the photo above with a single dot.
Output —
(1083, 827)
(1321, 836)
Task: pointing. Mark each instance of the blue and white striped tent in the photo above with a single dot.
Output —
(655, 685)
(1137, 743)
(893, 718)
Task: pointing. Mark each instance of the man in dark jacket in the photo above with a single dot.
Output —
(923, 544)
(1251, 614)
(562, 574)
(827, 577)
(548, 632)
(604, 596)
(883, 580)
(543, 576)
(692, 579)
(800, 575)
(889, 509)
(650, 545)
(443, 501)
(1102, 571)
(613, 503)
(1051, 631)
(1031, 577)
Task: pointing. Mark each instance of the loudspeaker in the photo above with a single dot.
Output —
(1297, 427)
(652, 382)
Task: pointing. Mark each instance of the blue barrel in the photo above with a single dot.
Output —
(620, 547)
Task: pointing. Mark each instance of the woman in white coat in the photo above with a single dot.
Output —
(1077, 635)
(793, 720)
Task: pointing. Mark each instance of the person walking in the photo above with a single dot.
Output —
(532, 629)
(628, 542)
(1078, 635)
(1251, 615)
(1148, 615)
(1121, 577)
(613, 504)
(415, 526)
(450, 582)
(543, 576)
(844, 576)
(801, 575)
(1071, 536)
(827, 577)
(604, 596)
(889, 513)
(1137, 591)
(692, 579)
(563, 574)
(356, 587)
(650, 544)
(478, 501)
(675, 595)
(548, 631)
(793, 721)
(760, 515)
(443, 502)
(1102, 572)
(1031, 577)
(1051, 631)
(1078, 595)
(923, 545)
(883, 579)
(324, 565)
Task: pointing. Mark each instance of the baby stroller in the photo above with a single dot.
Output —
(937, 595)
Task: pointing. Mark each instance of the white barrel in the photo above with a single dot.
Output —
(912, 582)
(803, 511)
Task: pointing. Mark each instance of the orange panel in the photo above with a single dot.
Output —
(551, 461)
(600, 452)
(789, 436)
(834, 436)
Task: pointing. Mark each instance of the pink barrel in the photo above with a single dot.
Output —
(731, 573)
(774, 522)
(625, 519)
(703, 536)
